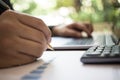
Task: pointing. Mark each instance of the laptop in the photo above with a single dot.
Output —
(65, 43)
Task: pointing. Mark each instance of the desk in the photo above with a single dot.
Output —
(62, 65)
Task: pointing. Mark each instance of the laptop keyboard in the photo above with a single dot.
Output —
(99, 40)
(102, 54)
(81, 41)
(63, 43)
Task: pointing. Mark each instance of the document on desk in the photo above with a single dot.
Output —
(32, 71)
(61, 65)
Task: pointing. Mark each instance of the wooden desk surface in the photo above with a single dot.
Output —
(61, 65)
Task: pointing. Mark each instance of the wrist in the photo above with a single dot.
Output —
(52, 30)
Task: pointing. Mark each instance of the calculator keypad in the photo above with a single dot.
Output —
(103, 51)
(102, 54)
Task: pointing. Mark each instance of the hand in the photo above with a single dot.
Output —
(23, 38)
(73, 30)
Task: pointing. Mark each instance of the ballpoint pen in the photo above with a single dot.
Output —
(50, 47)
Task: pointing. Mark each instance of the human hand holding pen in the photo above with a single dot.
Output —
(23, 38)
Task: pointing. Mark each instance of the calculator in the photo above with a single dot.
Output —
(101, 54)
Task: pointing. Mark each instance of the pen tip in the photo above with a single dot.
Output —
(50, 47)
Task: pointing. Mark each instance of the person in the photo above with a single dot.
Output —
(24, 38)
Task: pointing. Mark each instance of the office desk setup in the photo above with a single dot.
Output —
(61, 65)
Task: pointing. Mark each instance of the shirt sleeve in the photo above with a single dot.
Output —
(8, 3)
(51, 29)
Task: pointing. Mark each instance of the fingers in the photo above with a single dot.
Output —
(12, 58)
(35, 23)
(10, 55)
(28, 40)
(29, 47)
(29, 21)
(72, 33)
(23, 45)
(31, 41)
(81, 27)
(90, 26)
(31, 34)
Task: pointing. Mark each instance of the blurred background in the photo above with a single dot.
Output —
(55, 12)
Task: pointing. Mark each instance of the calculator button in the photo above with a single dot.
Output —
(106, 53)
(99, 50)
(116, 53)
(93, 54)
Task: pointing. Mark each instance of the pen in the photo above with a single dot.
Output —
(50, 47)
